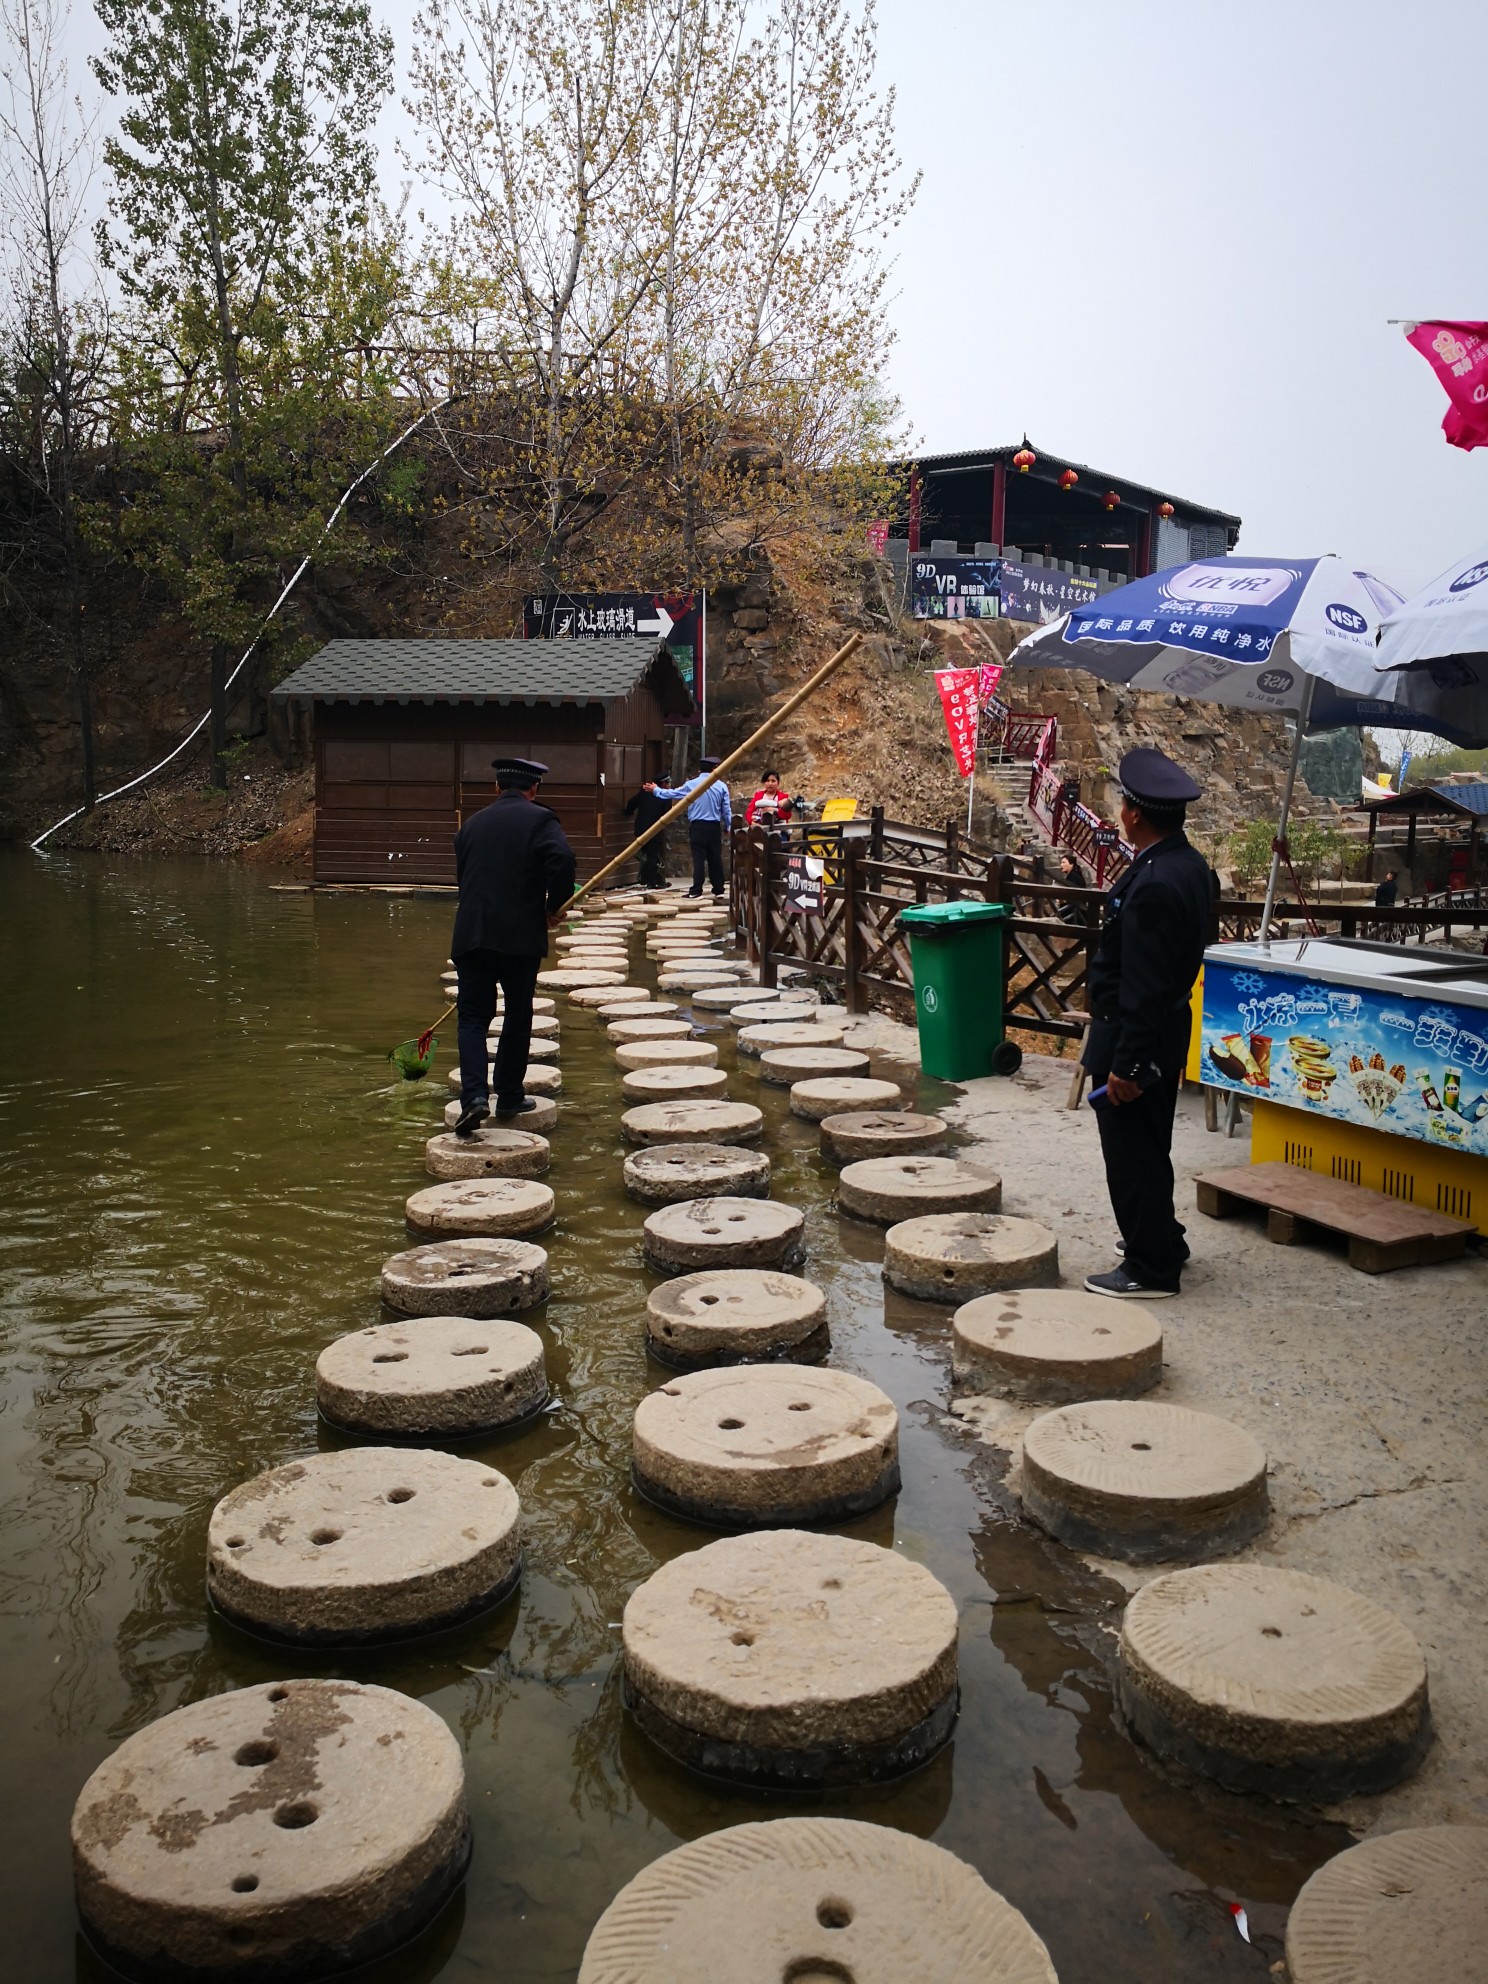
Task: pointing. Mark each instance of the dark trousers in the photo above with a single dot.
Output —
(651, 873)
(480, 972)
(705, 838)
(1137, 1145)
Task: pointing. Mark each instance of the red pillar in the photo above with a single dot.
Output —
(999, 503)
(914, 508)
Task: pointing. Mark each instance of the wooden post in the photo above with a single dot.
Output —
(851, 949)
(1369, 857)
(876, 833)
(767, 879)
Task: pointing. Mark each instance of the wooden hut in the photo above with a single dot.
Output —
(405, 731)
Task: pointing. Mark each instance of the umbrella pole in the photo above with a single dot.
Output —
(1303, 713)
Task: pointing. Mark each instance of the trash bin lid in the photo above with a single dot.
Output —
(947, 914)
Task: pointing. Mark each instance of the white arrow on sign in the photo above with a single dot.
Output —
(661, 626)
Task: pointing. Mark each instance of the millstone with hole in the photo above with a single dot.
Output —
(1407, 1907)
(692, 981)
(759, 1038)
(545, 1026)
(888, 1189)
(1055, 1345)
(772, 1008)
(542, 1006)
(736, 1316)
(638, 1009)
(538, 1078)
(436, 1376)
(759, 1445)
(721, 999)
(673, 1084)
(480, 1208)
(621, 1031)
(809, 1661)
(814, 1901)
(366, 1544)
(828, 1096)
(783, 1066)
(666, 1054)
(1144, 1482)
(537, 1050)
(1274, 1681)
(700, 1122)
(543, 1082)
(536, 1121)
(562, 980)
(951, 1256)
(723, 1233)
(490, 1153)
(599, 998)
(285, 1831)
(665, 1174)
(875, 1131)
(466, 1278)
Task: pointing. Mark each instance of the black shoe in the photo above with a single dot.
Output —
(694, 895)
(1125, 1287)
(471, 1118)
(522, 1108)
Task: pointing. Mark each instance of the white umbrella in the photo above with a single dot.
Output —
(1436, 645)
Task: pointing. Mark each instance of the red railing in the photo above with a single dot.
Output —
(1094, 842)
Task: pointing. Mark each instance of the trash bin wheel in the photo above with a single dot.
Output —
(1007, 1057)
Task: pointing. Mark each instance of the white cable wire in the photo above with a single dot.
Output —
(197, 728)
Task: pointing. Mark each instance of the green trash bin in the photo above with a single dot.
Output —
(957, 949)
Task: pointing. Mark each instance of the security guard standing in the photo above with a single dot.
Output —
(515, 869)
(1142, 975)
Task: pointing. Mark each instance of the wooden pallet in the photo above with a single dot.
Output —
(1382, 1233)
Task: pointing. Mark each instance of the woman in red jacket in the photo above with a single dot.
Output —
(770, 806)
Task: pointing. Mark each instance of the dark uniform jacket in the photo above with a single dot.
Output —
(514, 866)
(646, 809)
(1156, 927)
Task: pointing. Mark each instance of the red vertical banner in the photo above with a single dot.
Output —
(958, 700)
(989, 677)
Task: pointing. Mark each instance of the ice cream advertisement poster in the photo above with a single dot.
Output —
(1415, 1067)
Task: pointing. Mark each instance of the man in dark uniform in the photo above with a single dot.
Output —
(515, 869)
(1156, 926)
(646, 809)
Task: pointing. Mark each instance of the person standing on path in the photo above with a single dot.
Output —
(645, 808)
(709, 815)
(1141, 978)
(516, 870)
(1388, 890)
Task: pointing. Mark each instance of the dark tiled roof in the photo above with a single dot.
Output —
(1469, 797)
(965, 458)
(441, 671)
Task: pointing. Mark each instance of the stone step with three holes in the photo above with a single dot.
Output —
(432, 1377)
(736, 1316)
(466, 1278)
(952, 1256)
(723, 1232)
(878, 1131)
(665, 1174)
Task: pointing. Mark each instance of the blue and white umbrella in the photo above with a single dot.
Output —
(1436, 646)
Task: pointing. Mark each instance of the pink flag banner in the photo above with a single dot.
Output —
(1458, 354)
(958, 699)
(878, 537)
(989, 677)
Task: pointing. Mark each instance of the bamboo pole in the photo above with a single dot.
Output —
(791, 703)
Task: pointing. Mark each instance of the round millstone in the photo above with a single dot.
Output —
(628, 1008)
(580, 940)
(466, 1278)
(595, 957)
(951, 1256)
(691, 981)
(481, 1208)
(888, 1189)
(723, 1233)
(700, 1122)
(791, 1033)
(1055, 1345)
(544, 1082)
(669, 1084)
(736, 1316)
(665, 1174)
(488, 1154)
(440, 1376)
(834, 1093)
(545, 1026)
(1406, 1905)
(370, 1543)
(784, 1066)
(766, 1445)
(791, 1658)
(718, 998)
(546, 1049)
(764, 1008)
(621, 1031)
(562, 980)
(542, 1006)
(1277, 1682)
(597, 998)
(874, 1132)
(1145, 1482)
(666, 1054)
(543, 1076)
(289, 1830)
(815, 1900)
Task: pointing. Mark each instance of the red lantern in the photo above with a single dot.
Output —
(1024, 460)
(1165, 510)
(1110, 500)
(1068, 480)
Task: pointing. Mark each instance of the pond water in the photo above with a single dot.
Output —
(205, 1158)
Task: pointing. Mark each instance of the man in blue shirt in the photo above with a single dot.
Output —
(707, 817)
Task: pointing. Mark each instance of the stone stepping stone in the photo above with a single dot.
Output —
(490, 1153)
(875, 1132)
(773, 1012)
(367, 1544)
(666, 1054)
(791, 1674)
(338, 1829)
(712, 962)
(466, 1278)
(598, 957)
(717, 998)
(723, 1232)
(889, 1189)
(630, 1008)
(1144, 1482)
(951, 1256)
(736, 1316)
(791, 1033)
(673, 1084)
(545, 1026)
(613, 993)
(538, 1049)
(1055, 1345)
(766, 1446)
(538, 1078)
(830, 1094)
(433, 1377)
(542, 1006)
(539, 1120)
(782, 1067)
(1407, 1904)
(779, 1895)
(1277, 1682)
(665, 1174)
(648, 1029)
(693, 981)
(563, 980)
(481, 1208)
(699, 1122)
(582, 941)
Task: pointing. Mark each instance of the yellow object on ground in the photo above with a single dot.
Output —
(839, 809)
(1406, 1168)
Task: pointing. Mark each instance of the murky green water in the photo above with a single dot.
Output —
(204, 1164)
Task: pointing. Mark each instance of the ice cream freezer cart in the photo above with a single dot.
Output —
(1365, 1062)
